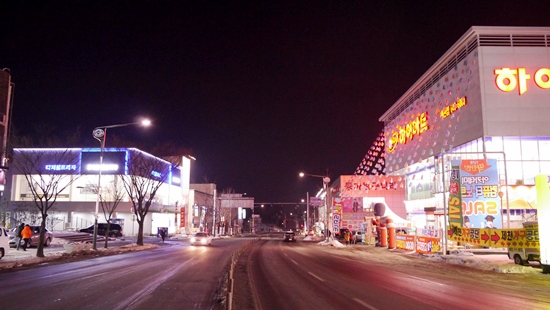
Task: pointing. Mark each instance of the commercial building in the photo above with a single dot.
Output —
(481, 112)
(72, 176)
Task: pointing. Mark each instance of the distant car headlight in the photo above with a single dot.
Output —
(193, 239)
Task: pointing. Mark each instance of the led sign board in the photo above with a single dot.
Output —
(113, 163)
(60, 167)
(104, 167)
(403, 135)
(452, 108)
(508, 79)
(175, 176)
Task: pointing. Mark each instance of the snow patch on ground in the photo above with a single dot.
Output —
(335, 243)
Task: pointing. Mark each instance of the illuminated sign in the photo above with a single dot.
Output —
(427, 245)
(112, 163)
(60, 167)
(542, 183)
(497, 238)
(337, 215)
(450, 109)
(403, 135)
(475, 166)
(508, 79)
(156, 174)
(104, 167)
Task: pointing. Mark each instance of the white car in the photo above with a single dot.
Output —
(201, 238)
(4, 242)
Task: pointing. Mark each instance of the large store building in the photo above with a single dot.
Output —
(73, 174)
(483, 109)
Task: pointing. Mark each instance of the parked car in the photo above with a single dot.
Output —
(290, 236)
(48, 237)
(201, 238)
(4, 242)
(357, 237)
(115, 230)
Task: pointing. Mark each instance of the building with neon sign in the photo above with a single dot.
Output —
(75, 206)
(482, 105)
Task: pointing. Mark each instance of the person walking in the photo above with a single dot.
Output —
(18, 235)
(26, 234)
(347, 237)
(162, 234)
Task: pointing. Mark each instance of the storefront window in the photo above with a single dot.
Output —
(512, 148)
(514, 171)
(493, 144)
(544, 166)
(529, 148)
(530, 170)
(544, 149)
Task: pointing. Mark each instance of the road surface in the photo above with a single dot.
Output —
(174, 276)
(302, 275)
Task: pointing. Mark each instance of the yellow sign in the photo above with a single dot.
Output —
(496, 238)
(508, 79)
(403, 135)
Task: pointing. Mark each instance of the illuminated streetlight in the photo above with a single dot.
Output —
(328, 200)
(100, 134)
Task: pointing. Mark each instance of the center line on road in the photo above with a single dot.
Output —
(316, 277)
(294, 262)
(365, 304)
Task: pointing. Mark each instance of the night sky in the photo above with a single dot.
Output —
(256, 91)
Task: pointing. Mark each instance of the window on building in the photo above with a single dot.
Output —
(514, 171)
(529, 148)
(493, 144)
(544, 149)
(530, 170)
(512, 147)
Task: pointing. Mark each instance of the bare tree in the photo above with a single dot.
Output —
(46, 174)
(110, 198)
(146, 174)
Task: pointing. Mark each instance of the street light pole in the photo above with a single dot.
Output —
(100, 134)
(306, 226)
(328, 200)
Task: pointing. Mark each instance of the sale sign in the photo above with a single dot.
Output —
(526, 237)
(427, 245)
(404, 242)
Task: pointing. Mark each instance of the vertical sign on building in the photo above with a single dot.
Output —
(336, 215)
(5, 102)
(542, 183)
(479, 193)
(455, 200)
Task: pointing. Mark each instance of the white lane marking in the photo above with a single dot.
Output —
(316, 277)
(294, 262)
(425, 280)
(365, 304)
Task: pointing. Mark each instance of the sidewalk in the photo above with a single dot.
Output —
(495, 260)
(56, 251)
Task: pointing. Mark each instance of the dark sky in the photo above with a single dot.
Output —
(258, 91)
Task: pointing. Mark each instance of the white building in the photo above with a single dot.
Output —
(487, 98)
(76, 204)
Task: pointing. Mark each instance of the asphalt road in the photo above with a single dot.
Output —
(175, 276)
(303, 275)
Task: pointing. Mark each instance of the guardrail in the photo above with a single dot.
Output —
(232, 262)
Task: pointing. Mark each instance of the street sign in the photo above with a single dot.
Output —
(315, 201)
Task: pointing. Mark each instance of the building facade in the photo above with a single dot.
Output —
(75, 173)
(481, 110)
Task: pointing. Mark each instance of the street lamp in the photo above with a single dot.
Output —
(100, 134)
(326, 181)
